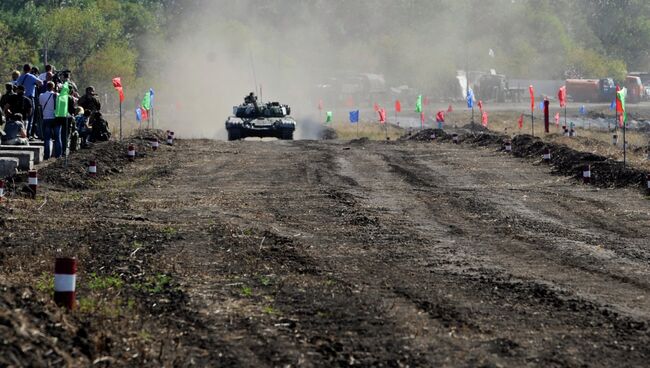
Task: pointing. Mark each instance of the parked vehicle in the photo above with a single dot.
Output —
(591, 90)
(635, 90)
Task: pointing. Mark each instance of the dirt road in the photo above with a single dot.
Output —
(314, 253)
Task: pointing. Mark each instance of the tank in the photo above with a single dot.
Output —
(252, 119)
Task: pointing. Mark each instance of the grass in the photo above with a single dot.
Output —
(155, 284)
(104, 282)
(45, 283)
(246, 291)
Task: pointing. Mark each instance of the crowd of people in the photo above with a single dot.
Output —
(30, 109)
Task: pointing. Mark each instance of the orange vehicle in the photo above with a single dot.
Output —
(635, 90)
(590, 90)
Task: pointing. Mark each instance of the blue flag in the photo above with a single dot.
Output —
(354, 116)
(138, 115)
(612, 106)
(151, 96)
(583, 110)
(470, 98)
(541, 105)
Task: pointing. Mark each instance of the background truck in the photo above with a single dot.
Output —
(590, 90)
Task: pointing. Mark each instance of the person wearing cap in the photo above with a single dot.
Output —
(89, 101)
(15, 133)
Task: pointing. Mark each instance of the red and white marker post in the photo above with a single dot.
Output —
(155, 144)
(65, 280)
(454, 138)
(92, 168)
(32, 181)
(170, 138)
(507, 146)
(131, 152)
(547, 155)
(614, 140)
(586, 174)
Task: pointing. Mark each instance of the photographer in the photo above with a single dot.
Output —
(89, 101)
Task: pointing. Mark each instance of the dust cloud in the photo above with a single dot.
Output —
(301, 52)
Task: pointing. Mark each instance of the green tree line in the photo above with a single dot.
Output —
(419, 41)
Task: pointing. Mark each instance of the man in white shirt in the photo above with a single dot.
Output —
(47, 100)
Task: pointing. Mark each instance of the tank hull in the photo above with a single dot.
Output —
(238, 128)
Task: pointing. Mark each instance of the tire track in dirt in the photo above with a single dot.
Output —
(456, 211)
(320, 254)
(586, 253)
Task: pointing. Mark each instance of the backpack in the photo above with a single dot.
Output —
(100, 132)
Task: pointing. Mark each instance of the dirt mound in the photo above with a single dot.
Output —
(360, 141)
(567, 161)
(425, 135)
(328, 133)
(485, 139)
(475, 127)
(111, 157)
(151, 134)
(35, 335)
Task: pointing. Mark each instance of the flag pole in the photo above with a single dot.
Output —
(472, 118)
(532, 121)
(120, 120)
(624, 143)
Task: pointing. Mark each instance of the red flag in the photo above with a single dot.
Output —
(450, 109)
(117, 83)
(619, 106)
(320, 105)
(532, 97)
(376, 107)
(480, 105)
(557, 118)
(422, 119)
(350, 101)
(426, 101)
(440, 116)
(561, 96)
(382, 116)
(484, 118)
(398, 106)
(521, 121)
(145, 114)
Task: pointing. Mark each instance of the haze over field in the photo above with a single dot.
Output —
(203, 56)
(224, 49)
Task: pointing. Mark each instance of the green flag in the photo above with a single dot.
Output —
(418, 104)
(146, 101)
(620, 95)
(61, 110)
(329, 117)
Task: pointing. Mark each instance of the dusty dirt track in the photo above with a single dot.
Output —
(316, 253)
